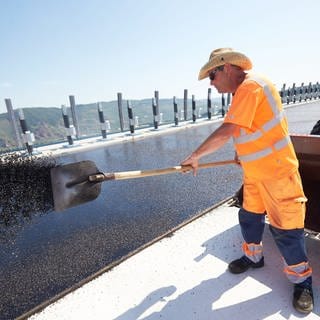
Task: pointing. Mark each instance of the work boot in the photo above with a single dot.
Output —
(303, 296)
(243, 264)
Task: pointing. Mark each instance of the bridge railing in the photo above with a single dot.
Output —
(102, 119)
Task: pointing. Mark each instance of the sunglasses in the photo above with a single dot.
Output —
(212, 74)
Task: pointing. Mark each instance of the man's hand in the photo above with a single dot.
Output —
(216, 140)
(191, 161)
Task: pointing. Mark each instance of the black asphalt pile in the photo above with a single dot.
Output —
(25, 187)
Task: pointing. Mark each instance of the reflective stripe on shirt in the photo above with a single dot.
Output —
(278, 116)
(265, 152)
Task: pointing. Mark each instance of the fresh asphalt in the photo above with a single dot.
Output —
(49, 253)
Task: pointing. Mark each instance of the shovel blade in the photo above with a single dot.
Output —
(70, 184)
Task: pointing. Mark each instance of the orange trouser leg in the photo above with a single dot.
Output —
(284, 202)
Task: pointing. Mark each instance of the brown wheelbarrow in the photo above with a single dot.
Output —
(80, 182)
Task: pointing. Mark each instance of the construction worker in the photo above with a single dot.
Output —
(271, 180)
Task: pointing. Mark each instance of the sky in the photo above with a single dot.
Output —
(93, 49)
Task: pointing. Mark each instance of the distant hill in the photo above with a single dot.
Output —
(48, 127)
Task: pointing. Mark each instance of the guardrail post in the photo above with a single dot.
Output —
(301, 92)
(194, 115)
(27, 136)
(310, 91)
(156, 97)
(74, 115)
(131, 118)
(209, 104)
(69, 127)
(305, 96)
(283, 93)
(103, 125)
(175, 112)
(155, 114)
(228, 100)
(121, 119)
(185, 104)
(288, 95)
(13, 122)
(223, 105)
(306, 93)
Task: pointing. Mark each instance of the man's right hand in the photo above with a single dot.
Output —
(191, 161)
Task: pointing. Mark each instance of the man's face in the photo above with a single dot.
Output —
(219, 78)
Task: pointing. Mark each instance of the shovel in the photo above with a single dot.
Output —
(80, 182)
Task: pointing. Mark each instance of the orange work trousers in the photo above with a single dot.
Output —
(282, 199)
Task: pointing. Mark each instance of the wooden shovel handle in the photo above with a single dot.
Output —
(103, 176)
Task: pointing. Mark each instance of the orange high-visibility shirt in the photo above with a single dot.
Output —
(262, 142)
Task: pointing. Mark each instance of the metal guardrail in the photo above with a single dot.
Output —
(70, 116)
(302, 93)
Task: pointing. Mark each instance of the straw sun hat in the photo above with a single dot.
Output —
(221, 56)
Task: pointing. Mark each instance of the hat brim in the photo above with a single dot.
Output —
(235, 58)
